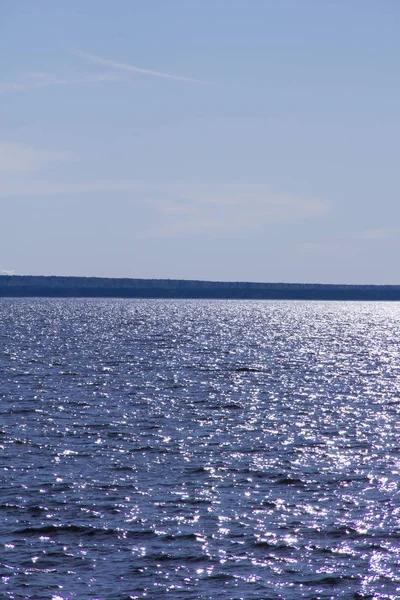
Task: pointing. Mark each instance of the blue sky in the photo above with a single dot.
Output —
(253, 140)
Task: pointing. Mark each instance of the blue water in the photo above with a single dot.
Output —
(199, 449)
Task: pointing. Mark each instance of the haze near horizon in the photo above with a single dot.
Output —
(229, 140)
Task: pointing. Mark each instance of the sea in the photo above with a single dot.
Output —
(199, 449)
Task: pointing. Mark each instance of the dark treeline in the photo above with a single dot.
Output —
(41, 286)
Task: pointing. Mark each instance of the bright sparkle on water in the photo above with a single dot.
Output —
(199, 449)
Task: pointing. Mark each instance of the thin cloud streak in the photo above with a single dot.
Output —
(127, 67)
(17, 158)
(352, 244)
(175, 208)
(233, 214)
(373, 234)
(34, 81)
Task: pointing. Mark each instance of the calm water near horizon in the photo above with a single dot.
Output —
(199, 449)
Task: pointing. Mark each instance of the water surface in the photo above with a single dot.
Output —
(199, 449)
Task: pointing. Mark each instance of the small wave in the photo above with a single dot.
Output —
(179, 537)
(7, 506)
(269, 503)
(276, 546)
(289, 481)
(263, 544)
(145, 533)
(169, 557)
(55, 529)
(22, 411)
(37, 510)
(221, 577)
(196, 470)
(343, 531)
(330, 580)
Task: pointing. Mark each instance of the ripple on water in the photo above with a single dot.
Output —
(199, 449)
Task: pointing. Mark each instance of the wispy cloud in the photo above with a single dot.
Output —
(176, 208)
(34, 81)
(384, 233)
(17, 158)
(329, 249)
(34, 189)
(107, 62)
(11, 86)
(116, 72)
(231, 210)
(348, 246)
(44, 79)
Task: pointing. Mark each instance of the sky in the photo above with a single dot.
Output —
(233, 140)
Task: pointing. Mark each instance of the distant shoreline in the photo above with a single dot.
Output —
(18, 286)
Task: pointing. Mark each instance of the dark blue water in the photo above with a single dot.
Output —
(199, 450)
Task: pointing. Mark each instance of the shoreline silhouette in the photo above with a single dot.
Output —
(104, 287)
